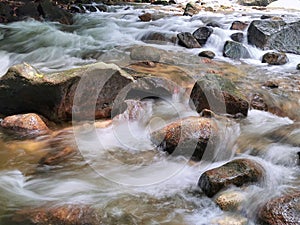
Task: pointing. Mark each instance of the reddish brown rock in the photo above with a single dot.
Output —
(146, 17)
(27, 124)
(282, 210)
(65, 214)
(238, 25)
(275, 58)
(237, 172)
(188, 136)
(87, 92)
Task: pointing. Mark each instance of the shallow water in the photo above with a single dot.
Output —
(118, 169)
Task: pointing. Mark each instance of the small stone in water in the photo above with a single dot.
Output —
(275, 58)
(238, 37)
(298, 67)
(146, 17)
(207, 54)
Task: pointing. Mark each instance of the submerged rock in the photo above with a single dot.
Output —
(28, 125)
(281, 210)
(146, 53)
(187, 40)
(207, 54)
(219, 95)
(64, 214)
(237, 172)
(278, 35)
(257, 102)
(238, 25)
(93, 88)
(235, 50)
(189, 136)
(159, 38)
(202, 34)
(230, 219)
(275, 58)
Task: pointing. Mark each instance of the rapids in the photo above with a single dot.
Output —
(118, 170)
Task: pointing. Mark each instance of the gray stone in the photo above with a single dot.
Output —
(238, 37)
(187, 40)
(207, 54)
(278, 35)
(202, 34)
(235, 50)
(256, 2)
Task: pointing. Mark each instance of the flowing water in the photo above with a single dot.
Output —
(119, 171)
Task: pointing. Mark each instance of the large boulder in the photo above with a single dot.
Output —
(187, 40)
(25, 124)
(219, 95)
(281, 210)
(237, 172)
(189, 136)
(24, 90)
(255, 2)
(278, 35)
(235, 50)
(202, 34)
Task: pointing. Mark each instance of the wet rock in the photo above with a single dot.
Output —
(187, 40)
(278, 35)
(189, 137)
(213, 24)
(191, 9)
(207, 54)
(230, 219)
(237, 172)
(145, 53)
(53, 95)
(275, 58)
(238, 37)
(202, 34)
(255, 2)
(65, 214)
(257, 102)
(219, 95)
(298, 67)
(25, 124)
(235, 50)
(39, 10)
(57, 156)
(230, 200)
(159, 38)
(238, 25)
(52, 12)
(281, 210)
(146, 17)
